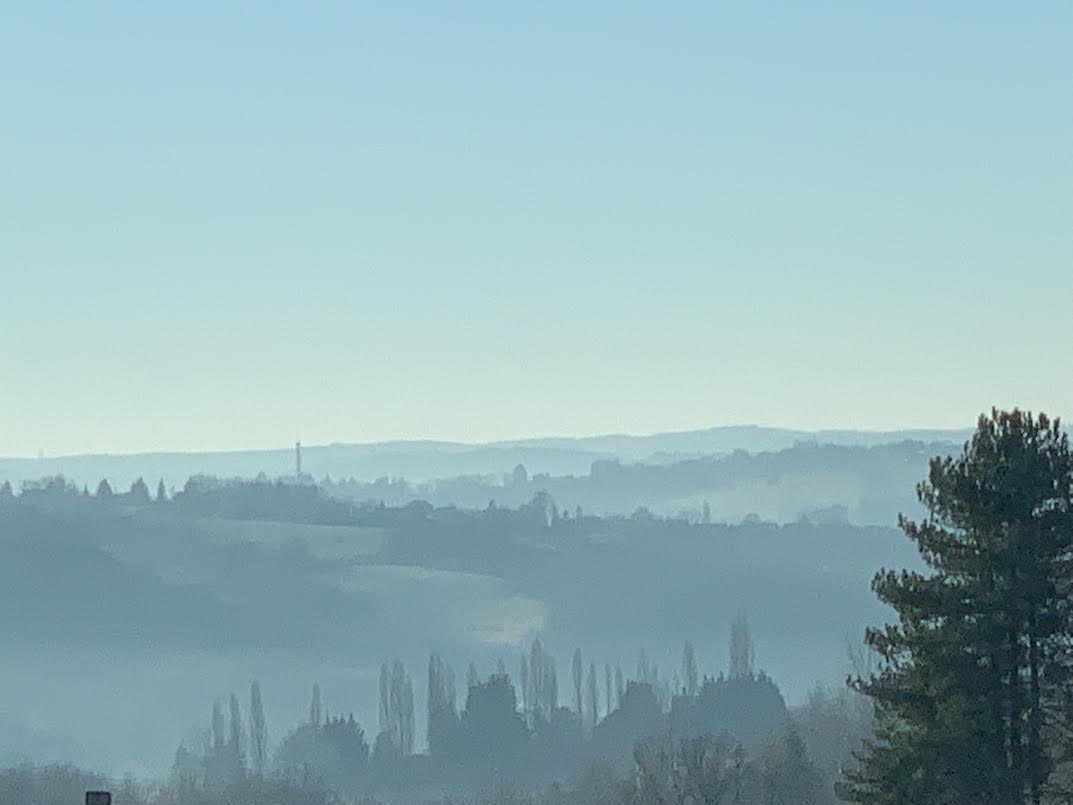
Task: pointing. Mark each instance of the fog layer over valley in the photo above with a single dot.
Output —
(775, 473)
(131, 612)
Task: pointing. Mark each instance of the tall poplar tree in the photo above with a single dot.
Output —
(258, 731)
(576, 668)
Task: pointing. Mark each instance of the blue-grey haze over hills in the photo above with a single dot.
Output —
(422, 460)
(412, 235)
(140, 618)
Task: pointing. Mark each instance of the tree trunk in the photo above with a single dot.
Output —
(1035, 716)
(1016, 714)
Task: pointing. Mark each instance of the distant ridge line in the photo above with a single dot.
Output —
(834, 436)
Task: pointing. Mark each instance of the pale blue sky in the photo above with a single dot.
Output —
(223, 225)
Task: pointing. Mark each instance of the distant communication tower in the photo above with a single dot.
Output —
(297, 459)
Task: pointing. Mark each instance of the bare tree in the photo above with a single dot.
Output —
(258, 731)
(397, 706)
(472, 677)
(576, 667)
(236, 744)
(525, 683)
(314, 708)
(741, 648)
(385, 700)
(218, 737)
(594, 703)
(689, 669)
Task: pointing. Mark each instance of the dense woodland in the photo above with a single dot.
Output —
(966, 697)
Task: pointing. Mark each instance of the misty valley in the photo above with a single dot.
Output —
(503, 403)
(140, 607)
(175, 634)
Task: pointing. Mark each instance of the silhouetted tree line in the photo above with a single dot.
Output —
(614, 486)
(57, 490)
(288, 500)
(260, 498)
(732, 732)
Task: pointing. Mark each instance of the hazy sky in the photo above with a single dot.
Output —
(230, 224)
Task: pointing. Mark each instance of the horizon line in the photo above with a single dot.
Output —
(501, 443)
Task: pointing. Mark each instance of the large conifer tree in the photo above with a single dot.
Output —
(982, 643)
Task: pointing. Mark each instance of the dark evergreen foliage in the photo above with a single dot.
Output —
(970, 694)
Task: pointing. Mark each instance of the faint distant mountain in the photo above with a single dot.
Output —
(726, 439)
(421, 460)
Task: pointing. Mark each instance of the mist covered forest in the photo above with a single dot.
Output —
(289, 640)
(769, 473)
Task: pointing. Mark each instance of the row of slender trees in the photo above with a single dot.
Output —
(231, 749)
(492, 728)
(138, 494)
